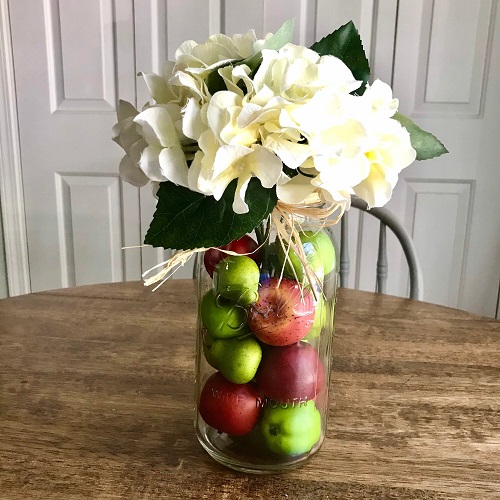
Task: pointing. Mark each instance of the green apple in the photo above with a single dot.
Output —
(222, 319)
(208, 341)
(319, 319)
(323, 245)
(237, 278)
(319, 251)
(293, 429)
(237, 359)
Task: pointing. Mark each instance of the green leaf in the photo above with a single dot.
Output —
(345, 43)
(424, 143)
(281, 37)
(275, 42)
(185, 219)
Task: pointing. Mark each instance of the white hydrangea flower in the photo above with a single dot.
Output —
(296, 73)
(193, 61)
(217, 50)
(298, 110)
(356, 147)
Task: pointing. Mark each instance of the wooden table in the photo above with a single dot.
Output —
(96, 401)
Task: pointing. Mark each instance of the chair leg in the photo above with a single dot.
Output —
(345, 265)
(382, 265)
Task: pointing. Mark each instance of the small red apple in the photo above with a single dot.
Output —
(229, 407)
(283, 314)
(290, 373)
(243, 245)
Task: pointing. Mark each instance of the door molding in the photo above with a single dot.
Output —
(11, 180)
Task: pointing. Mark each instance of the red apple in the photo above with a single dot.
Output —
(290, 373)
(243, 245)
(283, 314)
(229, 407)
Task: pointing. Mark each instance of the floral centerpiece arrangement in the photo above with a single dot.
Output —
(244, 135)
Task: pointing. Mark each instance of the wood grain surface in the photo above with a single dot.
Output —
(96, 401)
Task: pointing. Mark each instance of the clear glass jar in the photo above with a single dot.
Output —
(264, 351)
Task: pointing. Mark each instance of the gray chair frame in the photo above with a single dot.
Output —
(387, 219)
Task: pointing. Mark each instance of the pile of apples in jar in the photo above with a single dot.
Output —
(261, 324)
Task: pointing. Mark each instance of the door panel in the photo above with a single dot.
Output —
(446, 73)
(68, 75)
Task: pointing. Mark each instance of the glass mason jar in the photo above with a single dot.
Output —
(264, 350)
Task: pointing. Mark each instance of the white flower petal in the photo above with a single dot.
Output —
(155, 186)
(131, 173)
(157, 127)
(192, 84)
(265, 165)
(125, 110)
(125, 134)
(350, 133)
(239, 204)
(192, 124)
(194, 172)
(218, 111)
(150, 164)
(158, 87)
(341, 173)
(174, 166)
(167, 70)
(375, 189)
(382, 102)
(241, 72)
(220, 183)
(228, 156)
(296, 190)
(231, 83)
(293, 155)
(337, 73)
(136, 150)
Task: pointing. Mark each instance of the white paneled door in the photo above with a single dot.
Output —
(74, 59)
(447, 76)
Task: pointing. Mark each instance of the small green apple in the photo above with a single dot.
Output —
(237, 359)
(208, 341)
(237, 278)
(319, 251)
(221, 318)
(323, 245)
(293, 429)
(319, 319)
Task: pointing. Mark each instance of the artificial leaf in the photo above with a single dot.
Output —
(424, 143)
(275, 42)
(281, 37)
(185, 219)
(345, 43)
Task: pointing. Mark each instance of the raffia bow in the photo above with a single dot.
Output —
(286, 220)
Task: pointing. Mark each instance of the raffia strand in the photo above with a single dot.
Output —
(285, 218)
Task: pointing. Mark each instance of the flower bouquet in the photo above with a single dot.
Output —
(254, 147)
